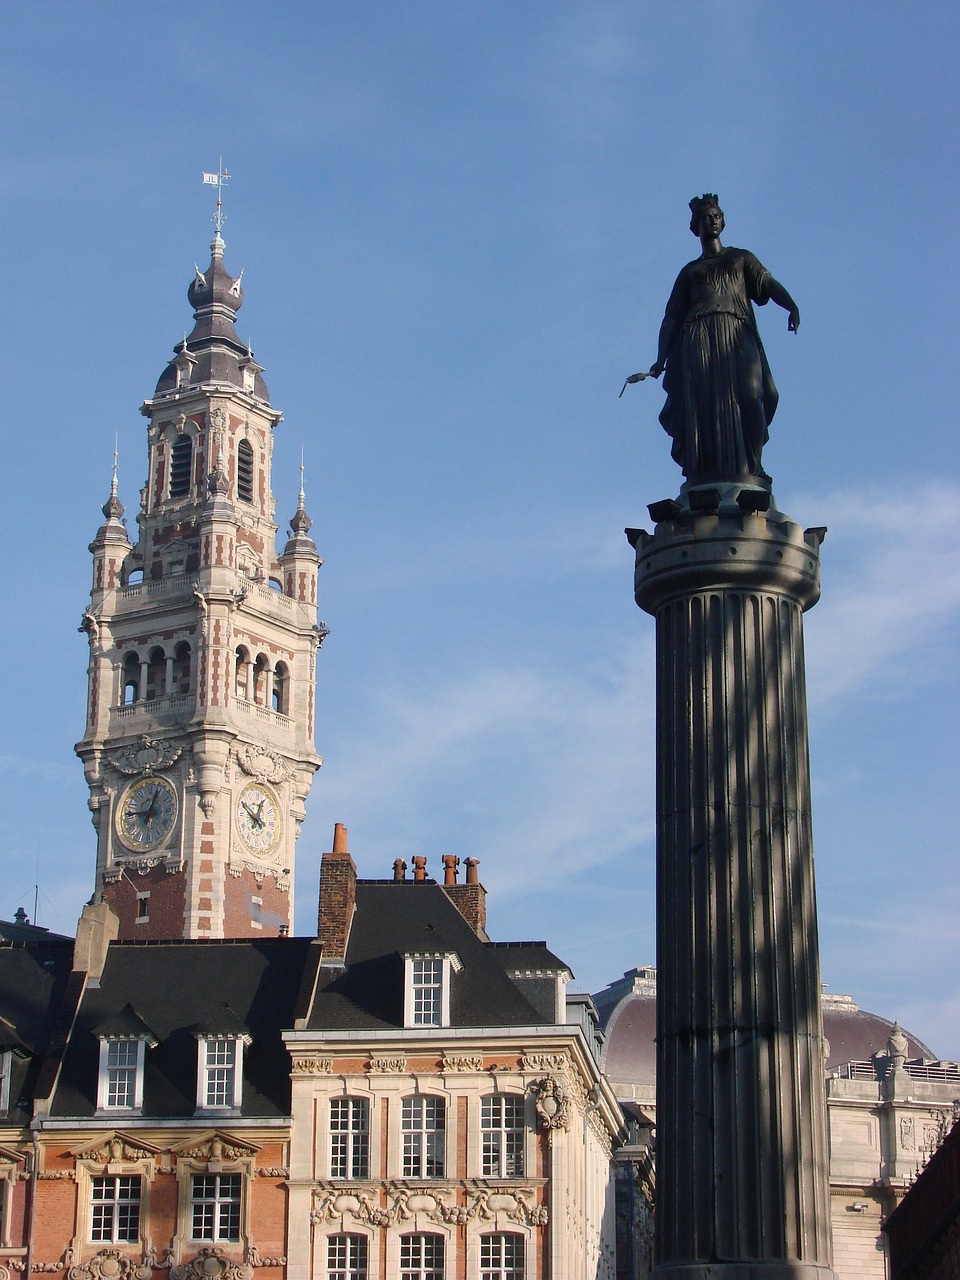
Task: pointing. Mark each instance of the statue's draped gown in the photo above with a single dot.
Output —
(721, 395)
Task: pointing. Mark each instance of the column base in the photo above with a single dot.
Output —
(743, 1270)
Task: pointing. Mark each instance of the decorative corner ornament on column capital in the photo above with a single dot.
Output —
(552, 1103)
(387, 1064)
(311, 1065)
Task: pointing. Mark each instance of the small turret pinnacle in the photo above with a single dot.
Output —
(113, 507)
(301, 522)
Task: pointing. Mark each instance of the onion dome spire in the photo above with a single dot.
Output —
(213, 352)
(114, 530)
(300, 540)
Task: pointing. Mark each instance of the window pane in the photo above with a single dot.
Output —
(422, 1124)
(115, 1215)
(221, 1072)
(421, 1257)
(122, 1072)
(216, 1207)
(501, 1257)
(347, 1258)
(427, 981)
(501, 1136)
(349, 1138)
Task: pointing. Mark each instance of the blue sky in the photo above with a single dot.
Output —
(459, 225)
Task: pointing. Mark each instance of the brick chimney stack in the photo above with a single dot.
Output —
(338, 892)
(470, 898)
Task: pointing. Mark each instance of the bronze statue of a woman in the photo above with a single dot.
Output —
(721, 396)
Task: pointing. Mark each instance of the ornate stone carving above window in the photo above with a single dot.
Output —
(386, 1064)
(311, 1065)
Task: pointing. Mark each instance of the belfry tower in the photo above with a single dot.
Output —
(199, 743)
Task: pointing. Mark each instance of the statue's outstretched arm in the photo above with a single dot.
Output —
(780, 296)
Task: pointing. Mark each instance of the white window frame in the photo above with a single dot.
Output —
(421, 1141)
(103, 1082)
(353, 1269)
(218, 1201)
(6, 1071)
(205, 1068)
(497, 1269)
(116, 1202)
(422, 1272)
(354, 1137)
(493, 1162)
(449, 963)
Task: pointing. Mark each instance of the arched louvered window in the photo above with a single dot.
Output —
(181, 465)
(244, 471)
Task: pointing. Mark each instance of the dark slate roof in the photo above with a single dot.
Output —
(394, 918)
(33, 977)
(176, 989)
(14, 931)
(528, 955)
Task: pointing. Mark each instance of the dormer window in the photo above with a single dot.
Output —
(220, 1072)
(427, 988)
(124, 1041)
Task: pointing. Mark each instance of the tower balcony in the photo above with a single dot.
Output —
(165, 711)
(265, 716)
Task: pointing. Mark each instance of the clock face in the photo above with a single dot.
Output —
(146, 814)
(258, 819)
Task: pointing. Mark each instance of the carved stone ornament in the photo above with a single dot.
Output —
(311, 1065)
(544, 1062)
(462, 1062)
(146, 755)
(56, 1175)
(110, 1264)
(359, 1203)
(257, 1259)
(273, 1171)
(211, 1263)
(333, 1202)
(259, 763)
(215, 1149)
(386, 1064)
(552, 1103)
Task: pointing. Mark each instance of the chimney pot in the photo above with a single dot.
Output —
(339, 838)
(399, 869)
(450, 864)
(472, 864)
(419, 868)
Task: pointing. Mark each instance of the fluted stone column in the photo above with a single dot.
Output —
(742, 1190)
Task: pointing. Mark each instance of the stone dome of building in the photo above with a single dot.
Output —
(628, 1012)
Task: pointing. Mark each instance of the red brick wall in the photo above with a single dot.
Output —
(166, 906)
(239, 914)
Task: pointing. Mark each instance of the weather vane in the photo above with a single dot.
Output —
(218, 180)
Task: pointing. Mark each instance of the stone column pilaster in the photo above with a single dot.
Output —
(742, 1190)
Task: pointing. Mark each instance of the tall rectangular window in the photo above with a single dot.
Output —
(346, 1258)
(422, 1122)
(421, 1257)
(427, 980)
(122, 1062)
(349, 1138)
(215, 1207)
(219, 1072)
(115, 1212)
(501, 1257)
(501, 1136)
